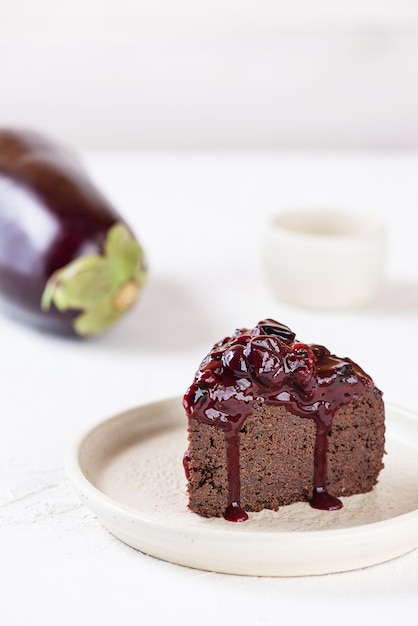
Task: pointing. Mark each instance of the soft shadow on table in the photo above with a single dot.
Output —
(398, 297)
(166, 317)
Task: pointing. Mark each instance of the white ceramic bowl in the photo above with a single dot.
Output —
(324, 259)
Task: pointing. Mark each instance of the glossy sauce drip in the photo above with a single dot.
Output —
(186, 464)
(266, 364)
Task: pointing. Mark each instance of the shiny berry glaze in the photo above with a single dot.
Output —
(267, 364)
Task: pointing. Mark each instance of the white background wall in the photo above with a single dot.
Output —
(224, 73)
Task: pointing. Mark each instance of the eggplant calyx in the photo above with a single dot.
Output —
(126, 296)
(100, 286)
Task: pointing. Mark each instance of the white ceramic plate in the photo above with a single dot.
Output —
(128, 471)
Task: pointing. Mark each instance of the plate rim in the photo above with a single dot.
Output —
(89, 494)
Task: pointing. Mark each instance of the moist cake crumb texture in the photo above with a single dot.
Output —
(272, 421)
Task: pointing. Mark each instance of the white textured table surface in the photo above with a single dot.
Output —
(200, 218)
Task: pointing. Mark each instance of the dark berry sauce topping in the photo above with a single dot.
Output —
(186, 464)
(267, 364)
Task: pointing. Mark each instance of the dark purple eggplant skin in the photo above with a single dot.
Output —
(50, 214)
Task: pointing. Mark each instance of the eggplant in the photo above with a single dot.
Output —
(68, 261)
